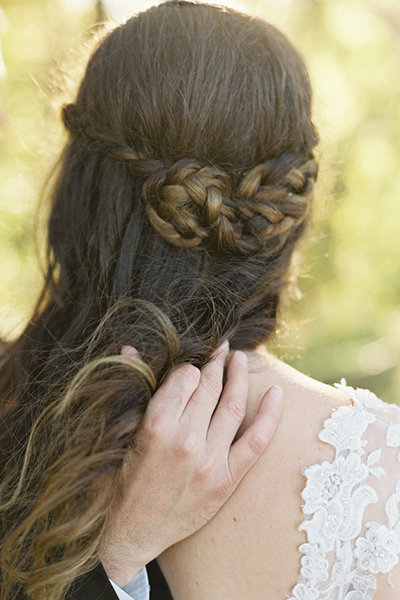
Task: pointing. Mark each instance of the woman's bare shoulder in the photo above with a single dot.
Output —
(252, 543)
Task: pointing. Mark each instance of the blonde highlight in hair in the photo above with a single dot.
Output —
(184, 187)
(72, 470)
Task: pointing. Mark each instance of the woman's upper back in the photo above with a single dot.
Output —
(317, 517)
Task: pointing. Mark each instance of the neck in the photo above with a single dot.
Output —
(266, 370)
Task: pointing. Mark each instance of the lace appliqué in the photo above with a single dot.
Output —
(343, 555)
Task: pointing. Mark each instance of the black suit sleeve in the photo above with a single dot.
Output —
(95, 585)
(159, 587)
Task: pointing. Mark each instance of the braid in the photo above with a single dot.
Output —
(195, 206)
(199, 207)
(185, 205)
(180, 196)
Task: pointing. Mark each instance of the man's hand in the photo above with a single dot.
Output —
(185, 463)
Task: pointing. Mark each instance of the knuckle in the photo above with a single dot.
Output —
(186, 446)
(190, 374)
(212, 385)
(206, 468)
(258, 443)
(236, 408)
(154, 427)
(224, 486)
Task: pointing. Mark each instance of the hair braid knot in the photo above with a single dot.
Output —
(195, 206)
(192, 206)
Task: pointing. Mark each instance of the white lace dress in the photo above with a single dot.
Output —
(351, 504)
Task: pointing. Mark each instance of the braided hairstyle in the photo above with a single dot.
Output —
(184, 186)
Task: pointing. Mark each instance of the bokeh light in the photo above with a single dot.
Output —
(347, 323)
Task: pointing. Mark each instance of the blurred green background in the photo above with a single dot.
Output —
(347, 322)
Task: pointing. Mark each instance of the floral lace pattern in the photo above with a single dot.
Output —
(344, 552)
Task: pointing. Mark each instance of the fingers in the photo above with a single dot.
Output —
(187, 390)
(252, 443)
(204, 400)
(231, 409)
(174, 393)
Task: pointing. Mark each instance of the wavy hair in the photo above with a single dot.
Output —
(185, 183)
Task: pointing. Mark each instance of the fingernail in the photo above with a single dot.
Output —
(276, 394)
(241, 357)
(129, 351)
(224, 347)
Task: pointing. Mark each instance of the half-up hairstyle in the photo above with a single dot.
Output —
(186, 182)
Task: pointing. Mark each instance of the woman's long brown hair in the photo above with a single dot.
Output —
(183, 188)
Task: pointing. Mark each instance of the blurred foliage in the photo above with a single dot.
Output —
(347, 323)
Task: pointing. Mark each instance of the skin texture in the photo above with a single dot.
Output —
(184, 466)
(191, 129)
(250, 548)
(252, 543)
